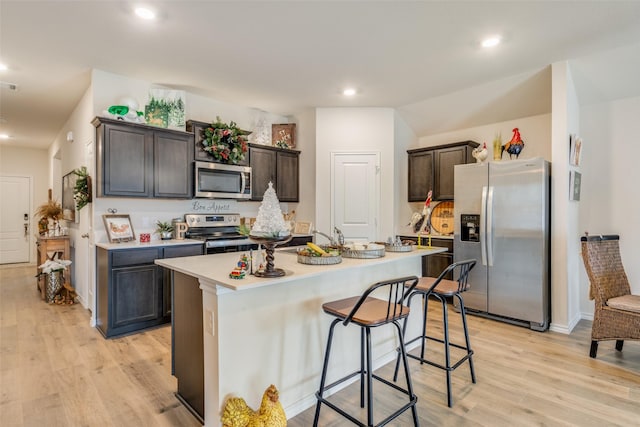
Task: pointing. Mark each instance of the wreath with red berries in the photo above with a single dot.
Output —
(225, 142)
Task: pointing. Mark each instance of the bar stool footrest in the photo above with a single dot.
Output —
(412, 401)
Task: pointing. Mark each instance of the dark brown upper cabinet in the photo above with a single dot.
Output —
(277, 165)
(135, 160)
(431, 168)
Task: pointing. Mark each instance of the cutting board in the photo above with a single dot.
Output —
(442, 219)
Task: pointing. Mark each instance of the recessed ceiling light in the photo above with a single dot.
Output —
(491, 41)
(145, 13)
(4, 136)
(349, 92)
(3, 67)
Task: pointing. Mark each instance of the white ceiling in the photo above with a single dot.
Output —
(287, 56)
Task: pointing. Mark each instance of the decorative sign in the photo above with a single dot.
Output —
(283, 135)
(215, 206)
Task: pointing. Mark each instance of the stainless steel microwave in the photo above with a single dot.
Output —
(222, 181)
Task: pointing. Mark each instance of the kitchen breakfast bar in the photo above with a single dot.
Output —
(235, 337)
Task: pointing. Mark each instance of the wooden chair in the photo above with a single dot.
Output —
(441, 289)
(617, 311)
(369, 312)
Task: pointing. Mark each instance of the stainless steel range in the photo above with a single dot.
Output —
(218, 231)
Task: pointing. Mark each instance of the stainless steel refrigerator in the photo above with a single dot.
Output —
(502, 219)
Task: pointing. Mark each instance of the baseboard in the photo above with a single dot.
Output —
(566, 329)
(587, 316)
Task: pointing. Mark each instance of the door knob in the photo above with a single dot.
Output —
(26, 228)
(85, 235)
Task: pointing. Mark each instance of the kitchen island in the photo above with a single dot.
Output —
(257, 331)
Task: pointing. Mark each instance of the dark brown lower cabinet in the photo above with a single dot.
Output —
(133, 293)
(433, 265)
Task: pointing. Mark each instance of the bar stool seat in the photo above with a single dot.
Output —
(367, 312)
(441, 289)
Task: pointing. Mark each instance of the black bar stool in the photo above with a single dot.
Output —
(442, 288)
(368, 312)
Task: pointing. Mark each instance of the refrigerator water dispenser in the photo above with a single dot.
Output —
(470, 231)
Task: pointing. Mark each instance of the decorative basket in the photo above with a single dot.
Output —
(399, 248)
(377, 251)
(319, 260)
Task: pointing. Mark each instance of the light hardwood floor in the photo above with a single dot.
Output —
(55, 370)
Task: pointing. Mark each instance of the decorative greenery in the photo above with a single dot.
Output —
(164, 227)
(82, 189)
(244, 229)
(225, 142)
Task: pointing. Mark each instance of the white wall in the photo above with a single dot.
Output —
(352, 130)
(610, 175)
(70, 156)
(404, 138)
(564, 214)
(306, 143)
(32, 163)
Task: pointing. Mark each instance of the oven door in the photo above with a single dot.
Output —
(222, 246)
(217, 180)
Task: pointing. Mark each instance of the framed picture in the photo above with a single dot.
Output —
(283, 135)
(575, 179)
(166, 109)
(68, 202)
(119, 228)
(575, 145)
(302, 228)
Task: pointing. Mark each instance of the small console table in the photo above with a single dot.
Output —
(48, 247)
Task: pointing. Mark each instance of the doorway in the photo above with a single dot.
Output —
(355, 195)
(15, 219)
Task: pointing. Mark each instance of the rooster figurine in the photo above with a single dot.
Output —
(237, 413)
(515, 146)
(480, 154)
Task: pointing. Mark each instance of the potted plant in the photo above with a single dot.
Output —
(53, 269)
(164, 229)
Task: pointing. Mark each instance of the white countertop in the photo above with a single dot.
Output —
(216, 267)
(135, 244)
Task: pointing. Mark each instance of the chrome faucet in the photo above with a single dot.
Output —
(340, 236)
(332, 241)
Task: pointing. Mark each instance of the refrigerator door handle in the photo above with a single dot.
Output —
(483, 228)
(489, 227)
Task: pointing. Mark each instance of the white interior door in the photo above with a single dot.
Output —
(15, 219)
(355, 189)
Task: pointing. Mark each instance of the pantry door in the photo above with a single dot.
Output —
(15, 219)
(355, 195)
